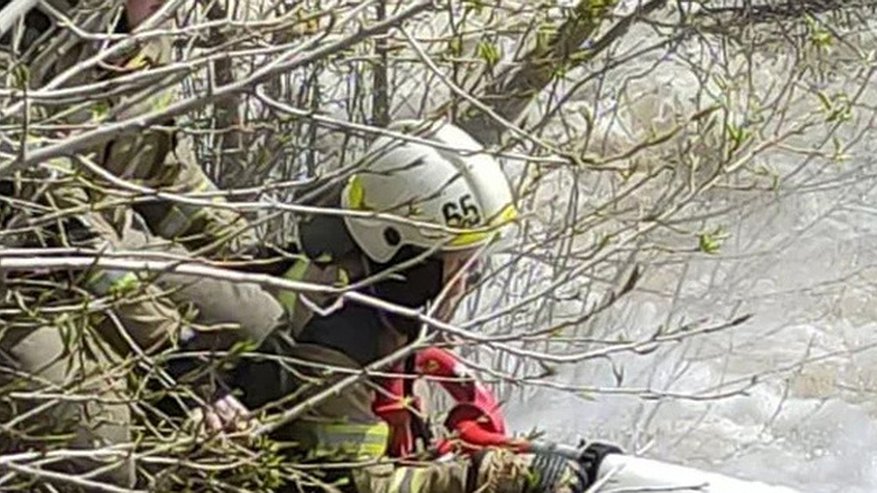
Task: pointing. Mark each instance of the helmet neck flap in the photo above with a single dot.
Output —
(325, 239)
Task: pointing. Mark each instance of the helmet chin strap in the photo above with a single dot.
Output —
(367, 267)
(411, 287)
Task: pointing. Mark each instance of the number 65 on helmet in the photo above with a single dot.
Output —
(454, 195)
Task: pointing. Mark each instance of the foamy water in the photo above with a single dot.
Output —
(803, 265)
(802, 261)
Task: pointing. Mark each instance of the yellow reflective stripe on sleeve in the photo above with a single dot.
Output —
(295, 273)
(356, 440)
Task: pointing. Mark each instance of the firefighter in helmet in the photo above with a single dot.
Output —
(420, 211)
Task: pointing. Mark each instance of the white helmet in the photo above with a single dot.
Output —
(452, 184)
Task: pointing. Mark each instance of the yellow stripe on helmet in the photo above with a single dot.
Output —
(356, 201)
(473, 238)
(355, 193)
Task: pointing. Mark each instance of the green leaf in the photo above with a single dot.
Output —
(99, 110)
(455, 46)
(476, 6)
(820, 37)
(20, 76)
(545, 35)
(839, 156)
(489, 52)
(125, 284)
(710, 242)
(738, 135)
(837, 108)
(560, 71)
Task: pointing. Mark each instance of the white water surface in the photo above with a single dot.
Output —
(802, 261)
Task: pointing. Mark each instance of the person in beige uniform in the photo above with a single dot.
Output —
(433, 187)
(48, 342)
(448, 188)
